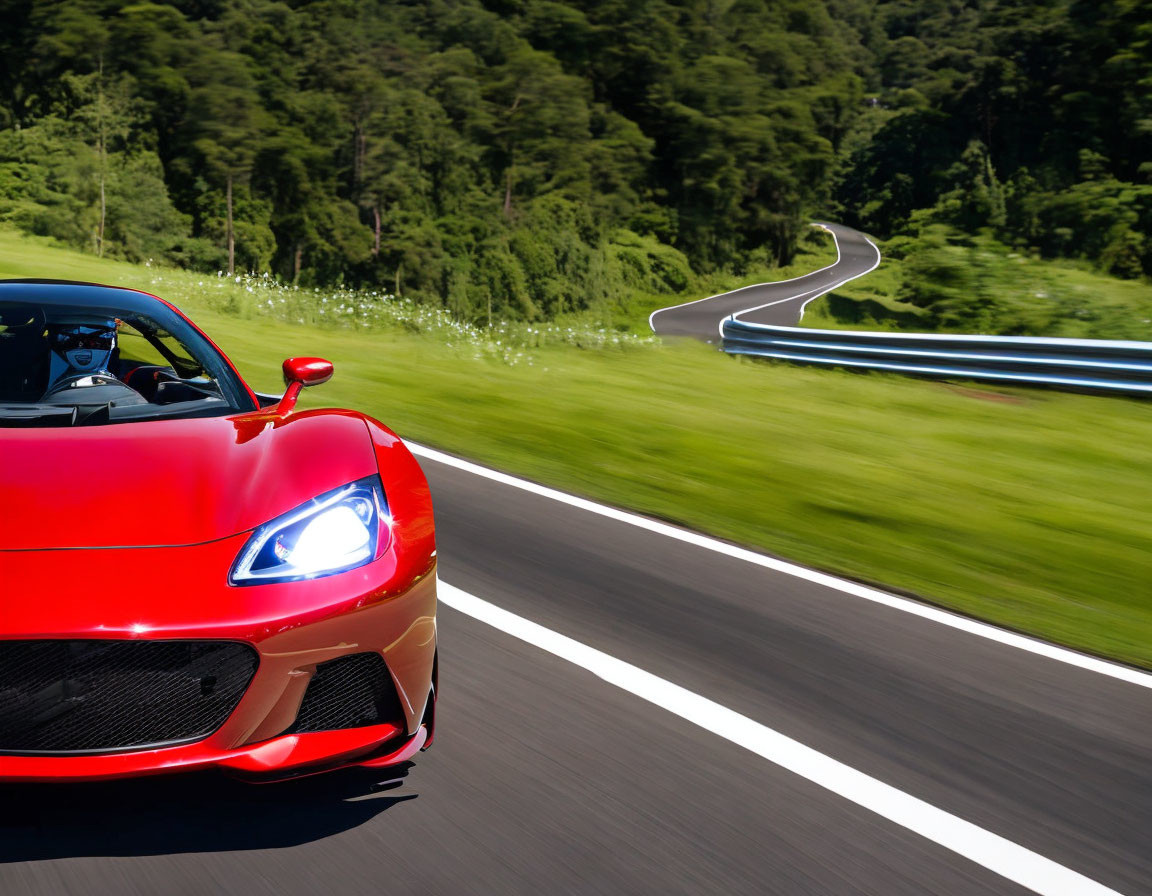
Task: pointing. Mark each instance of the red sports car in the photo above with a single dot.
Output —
(193, 575)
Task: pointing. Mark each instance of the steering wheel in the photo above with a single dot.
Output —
(98, 379)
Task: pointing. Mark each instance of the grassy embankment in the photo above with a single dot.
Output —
(1014, 295)
(1031, 509)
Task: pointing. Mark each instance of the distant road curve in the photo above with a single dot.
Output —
(781, 303)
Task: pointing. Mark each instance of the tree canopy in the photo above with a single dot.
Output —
(526, 158)
(1028, 119)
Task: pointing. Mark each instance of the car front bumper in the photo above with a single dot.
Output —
(387, 607)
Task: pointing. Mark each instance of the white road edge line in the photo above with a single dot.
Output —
(875, 265)
(997, 854)
(813, 294)
(855, 589)
(720, 295)
(819, 291)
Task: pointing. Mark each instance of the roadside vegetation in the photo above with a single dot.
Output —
(943, 280)
(530, 160)
(518, 161)
(1028, 508)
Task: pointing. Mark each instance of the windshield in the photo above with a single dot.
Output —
(94, 360)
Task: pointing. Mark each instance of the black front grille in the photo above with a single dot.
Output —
(102, 696)
(350, 692)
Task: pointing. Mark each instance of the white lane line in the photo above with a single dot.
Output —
(875, 265)
(855, 589)
(812, 293)
(823, 290)
(721, 295)
(997, 854)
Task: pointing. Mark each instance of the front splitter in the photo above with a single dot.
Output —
(291, 755)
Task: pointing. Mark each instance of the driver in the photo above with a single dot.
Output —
(80, 351)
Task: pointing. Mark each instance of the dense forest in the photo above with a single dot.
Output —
(525, 158)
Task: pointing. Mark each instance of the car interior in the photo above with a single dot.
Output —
(63, 366)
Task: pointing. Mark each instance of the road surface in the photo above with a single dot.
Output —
(547, 778)
(780, 303)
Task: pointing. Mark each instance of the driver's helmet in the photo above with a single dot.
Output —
(80, 350)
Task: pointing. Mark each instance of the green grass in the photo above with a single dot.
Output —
(1030, 509)
(1023, 295)
(869, 303)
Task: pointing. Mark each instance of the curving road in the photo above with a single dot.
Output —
(780, 303)
(841, 741)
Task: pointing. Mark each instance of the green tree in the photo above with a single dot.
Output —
(227, 121)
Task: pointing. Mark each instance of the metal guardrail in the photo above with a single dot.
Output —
(1061, 363)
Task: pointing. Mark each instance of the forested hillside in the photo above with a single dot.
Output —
(1033, 119)
(524, 158)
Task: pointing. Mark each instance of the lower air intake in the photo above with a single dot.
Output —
(350, 692)
(102, 696)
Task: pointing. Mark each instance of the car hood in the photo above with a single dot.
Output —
(171, 482)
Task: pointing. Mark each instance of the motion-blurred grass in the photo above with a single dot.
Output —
(1032, 509)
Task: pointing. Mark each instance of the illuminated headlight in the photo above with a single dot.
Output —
(337, 531)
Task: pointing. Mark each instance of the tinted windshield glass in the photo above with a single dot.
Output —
(88, 362)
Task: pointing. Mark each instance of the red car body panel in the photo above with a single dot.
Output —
(129, 531)
(402, 628)
(172, 482)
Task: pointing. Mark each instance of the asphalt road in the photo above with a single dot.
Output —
(546, 778)
(780, 303)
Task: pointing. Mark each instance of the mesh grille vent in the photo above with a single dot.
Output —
(106, 695)
(350, 692)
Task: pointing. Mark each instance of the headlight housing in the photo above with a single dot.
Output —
(334, 532)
